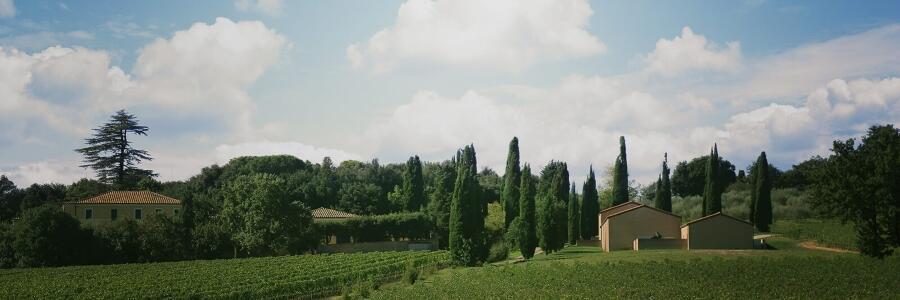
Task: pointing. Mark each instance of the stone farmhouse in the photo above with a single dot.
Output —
(119, 205)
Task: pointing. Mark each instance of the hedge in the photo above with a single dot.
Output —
(412, 226)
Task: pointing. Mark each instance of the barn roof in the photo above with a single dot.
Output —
(620, 205)
(715, 215)
(129, 197)
(641, 206)
(327, 213)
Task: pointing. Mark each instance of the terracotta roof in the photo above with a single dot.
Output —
(129, 197)
(715, 215)
(636, 207)
(327, 213)
(620, 205)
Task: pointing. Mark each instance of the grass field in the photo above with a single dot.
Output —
(827, 233)
(588, 273)
(253, 278)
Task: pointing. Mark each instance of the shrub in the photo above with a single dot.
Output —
(380, 228)
(46, 236)
(498, 252)
(411, 274)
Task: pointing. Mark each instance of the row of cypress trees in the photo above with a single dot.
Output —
(760, 196)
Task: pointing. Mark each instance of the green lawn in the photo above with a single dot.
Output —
(828, 233)
(587, 273)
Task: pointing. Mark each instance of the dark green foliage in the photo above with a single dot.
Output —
(620, 176)
(762, 205)
(441, 196)
(527, 238)
(263, 219)
(466, 213)
(590, 206)
(47, 237)
(574, 218)
(712, 192)
(411, 226)
(162, 239)
(800, 175)
(122, 241)
(10, 199)
(552, 198)
(7, 254)
(41, 194)
(110, 154)
(488, 188)
(689, 178)
(85, 188)
(511, 183)
(861, 184)
(413, 187)
(211, 240)
(663, 194)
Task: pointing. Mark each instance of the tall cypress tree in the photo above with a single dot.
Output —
(574, 218)
(590, 206)
(712, 196)
(763, 190)
(620, 175)
(413, 185)
(657, 193)
(552, 198)
(510, 195)
(441, 197)
(664, 187)
(466, 216)
(528, 237)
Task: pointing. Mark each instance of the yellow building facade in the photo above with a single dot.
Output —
(122, 205)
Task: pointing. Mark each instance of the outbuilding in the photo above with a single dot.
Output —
(621, 230)
(718, 231)
(601, 217)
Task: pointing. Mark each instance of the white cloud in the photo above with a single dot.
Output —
(506, 34)
(270, 7)
(7, 9)
(50, 171)
(799, 71)
(692, 52)
(226, 152)
(127, 29)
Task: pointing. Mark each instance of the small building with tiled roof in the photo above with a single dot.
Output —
(601, 217)
(625, 229)
(122, 205)
(718, 231)
(323, 214)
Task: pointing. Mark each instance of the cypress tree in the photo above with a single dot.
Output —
(657, 193)
(664, 187)
(763, 189)
(511, 185)
(620, 175)
(712, 196)
(528, 237)
(441, 197)
(590, 206)
(466, 216)
(413, 185)
(552, 198)
(574, 218)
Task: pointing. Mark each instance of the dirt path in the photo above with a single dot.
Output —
(813, 246)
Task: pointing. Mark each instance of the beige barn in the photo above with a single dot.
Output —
(614, 210)
(622, 229)
(718, 231)
(120, 205)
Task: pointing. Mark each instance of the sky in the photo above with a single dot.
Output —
(356, 80)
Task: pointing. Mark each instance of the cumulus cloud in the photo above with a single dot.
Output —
(796, 72)
(692, 52)
(506, 34)
(50, 171)
(7, 9)
(270, 7)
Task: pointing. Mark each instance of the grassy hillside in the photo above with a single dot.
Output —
(585, 272)
(252, 278)
(828, 233)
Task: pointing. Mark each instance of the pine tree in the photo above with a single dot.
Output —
(574, 218)
(620, 176)
(413, 185)
(110, 154)
(552, 198)
(664, 187)
(763, 190)
(466, 216)
(528, 238)
(590, 206)
(510, 194)
(712, 193)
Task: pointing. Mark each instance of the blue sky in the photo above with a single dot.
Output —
(388, 79)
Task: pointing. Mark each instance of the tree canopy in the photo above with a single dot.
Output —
(110, 153)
